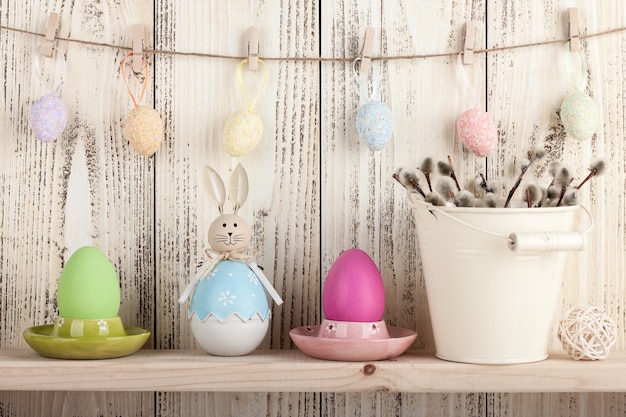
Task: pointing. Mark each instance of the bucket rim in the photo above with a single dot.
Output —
(416, 203)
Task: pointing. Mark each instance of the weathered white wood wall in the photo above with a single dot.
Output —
(315, 190)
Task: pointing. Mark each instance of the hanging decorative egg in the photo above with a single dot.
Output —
(579, 115)
(374, 123)
(48, 118)
(144, 130)
(242, 132)
(477, 131)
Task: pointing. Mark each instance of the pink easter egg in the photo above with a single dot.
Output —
(477, 131)
(353, 290)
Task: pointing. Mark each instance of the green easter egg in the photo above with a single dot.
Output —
(88, 286)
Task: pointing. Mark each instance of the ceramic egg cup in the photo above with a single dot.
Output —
(85, 338)
(352, 341)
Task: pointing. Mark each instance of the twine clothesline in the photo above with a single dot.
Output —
(319, 58)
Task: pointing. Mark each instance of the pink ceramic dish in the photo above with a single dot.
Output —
(308, 340)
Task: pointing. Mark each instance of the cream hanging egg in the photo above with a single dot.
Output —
(242, 132)
(244, 128)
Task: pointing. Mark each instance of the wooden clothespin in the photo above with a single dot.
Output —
(470, 42)
(138, 43)
(366, 51)
(253, 48)
(47, 48)
(574, 32)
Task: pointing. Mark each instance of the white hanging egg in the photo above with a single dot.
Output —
(242, 132)
(144, 130)
(374, 123)
(48, 118)
(579, 115)
(477, 131)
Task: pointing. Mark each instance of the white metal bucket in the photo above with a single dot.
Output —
(493, 294)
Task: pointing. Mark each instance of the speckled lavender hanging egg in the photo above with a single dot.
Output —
(144, 130)
(48, 118)
(477, 131)
(374, 123)
(242, 132)
(579, 115)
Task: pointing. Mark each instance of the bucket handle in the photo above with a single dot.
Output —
(537, 241)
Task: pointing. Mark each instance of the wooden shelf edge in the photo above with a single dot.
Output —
(292, 371)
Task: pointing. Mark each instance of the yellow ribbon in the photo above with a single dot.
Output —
(249, 104)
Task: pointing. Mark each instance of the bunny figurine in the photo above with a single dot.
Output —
(229, 313)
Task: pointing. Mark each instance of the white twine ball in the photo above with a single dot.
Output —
(587, 333)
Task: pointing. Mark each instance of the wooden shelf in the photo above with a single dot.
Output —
(292, 371)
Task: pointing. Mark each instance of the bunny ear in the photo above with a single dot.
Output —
(238, 187)
(214, 187)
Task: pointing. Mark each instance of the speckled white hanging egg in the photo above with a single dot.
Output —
(144, 130)
(477, 131)
(374, 123)
(48, 118)
(242, 132)
(579, 115)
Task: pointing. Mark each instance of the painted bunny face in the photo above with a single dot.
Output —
(229, 232)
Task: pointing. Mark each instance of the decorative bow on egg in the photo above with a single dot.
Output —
(48, 114)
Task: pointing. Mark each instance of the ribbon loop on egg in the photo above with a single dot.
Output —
(363, 90)
(250, 104)
(580, 82)
(59, 58)
(466, 82)
(136, 101)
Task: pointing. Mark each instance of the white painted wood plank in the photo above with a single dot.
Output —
(369, 210)
(86, 188)
(527, 87)
(197, 95)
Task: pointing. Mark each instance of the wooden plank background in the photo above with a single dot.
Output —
(315, 190)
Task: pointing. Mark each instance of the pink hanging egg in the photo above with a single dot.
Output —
(477, 131)
(242, 132)
(48, 117)
(354, 290)
(144, 130)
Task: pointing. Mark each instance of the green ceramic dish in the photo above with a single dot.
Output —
(41, 340)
